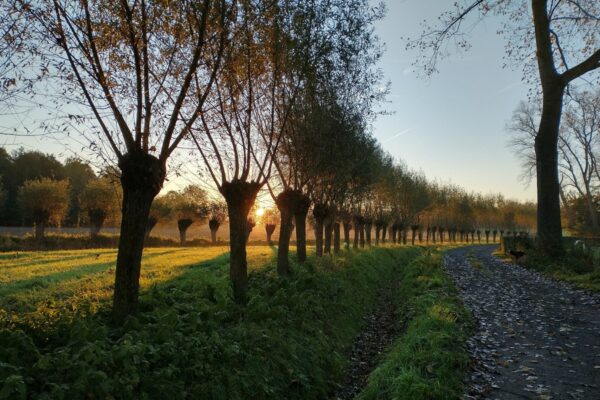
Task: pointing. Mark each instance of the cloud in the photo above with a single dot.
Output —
(397, 135)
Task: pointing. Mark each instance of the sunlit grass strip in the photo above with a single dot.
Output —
(429, 360)
(190, 340)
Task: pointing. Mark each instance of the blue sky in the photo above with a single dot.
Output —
(451, 126)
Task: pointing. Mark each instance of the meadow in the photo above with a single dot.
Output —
(190, 339)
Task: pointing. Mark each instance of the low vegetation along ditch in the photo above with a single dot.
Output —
(190, 340)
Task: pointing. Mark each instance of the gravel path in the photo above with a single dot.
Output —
(535, 338)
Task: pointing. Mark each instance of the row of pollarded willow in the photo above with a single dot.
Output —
(224, 75)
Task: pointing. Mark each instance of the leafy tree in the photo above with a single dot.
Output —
(45, 201)
(217, 215)
(136, 67)
(564, 40)
(187, 206)
(79, 174)
(100, 199)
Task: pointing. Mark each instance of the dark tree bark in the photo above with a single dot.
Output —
(213, 225)
(240, 197)
(357, 229)
(270, 229)
(487, 236)
(494, 233)
(142, 176)
(97, 218)
(441, 232)
(250, 224)
(384, 228)
(479, 236)
(347, 227)
(320, 212)
(361, 235)
(183, 225)
(40, 228)
(152, 221)
(414, 229)
(300, 213)
(377, 233)
(368, 230)
(394, 233)
(286, 203)
(336, 237)
(328, 236)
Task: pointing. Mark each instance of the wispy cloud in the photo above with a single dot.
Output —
(397, 135)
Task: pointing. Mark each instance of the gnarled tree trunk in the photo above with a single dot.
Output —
(240, 197)
(142, 176)
(183, 225)
(320, 212)
(269, 230)
(336, 237)
(97, 218)
(300, 213)
(286, 203)
(213, 225)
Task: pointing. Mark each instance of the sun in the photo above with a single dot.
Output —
(260, 212)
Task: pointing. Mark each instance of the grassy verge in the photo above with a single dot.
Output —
(575, 269)
(429, 360)
(191, 341)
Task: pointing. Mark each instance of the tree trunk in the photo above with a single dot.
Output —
(383, 233)
(336, 237)
(300, 213)
(487, 237)
(328, 237)
(548, 186)
(152, 221)
(346, 226)
(368, 230)
(40, 227)
(183, 225)
(240, 197)
(270, 229)
(362, 235)
(377, 233)
(414, 234)
(142, 176)
(356, 235)
(320, 214)
(97, 218)
(286, 203)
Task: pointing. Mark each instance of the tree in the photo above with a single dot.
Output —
(100, 199)
(566, 39)
(135, 66)
(577, 147)
(217, 215)
(187, 206)
(44, 201)
(241, 126)
(79, 174)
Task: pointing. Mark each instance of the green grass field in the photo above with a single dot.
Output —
(39, 288)
(190, 340)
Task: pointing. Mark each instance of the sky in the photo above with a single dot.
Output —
(451, 126)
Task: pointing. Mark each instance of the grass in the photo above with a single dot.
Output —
(578, 270)
(189, 339)
(429, 361)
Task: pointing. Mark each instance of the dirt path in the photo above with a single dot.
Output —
(535, 338)
(378, 334)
